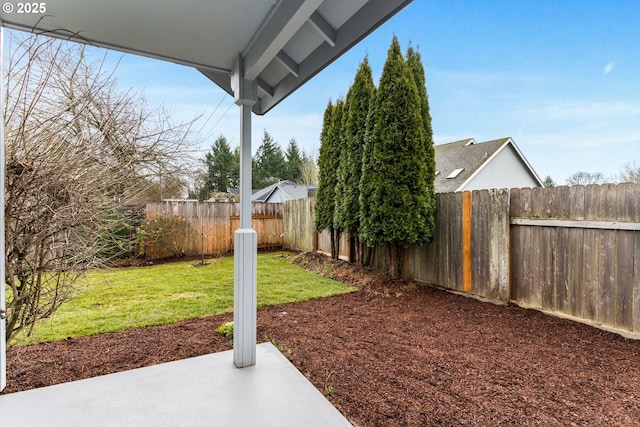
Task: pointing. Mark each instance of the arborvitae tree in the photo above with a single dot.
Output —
(366, 184)
(328, 163)
(337, 125)
(400, 210)
(356, 110)
(325, 201)
(269, 165)
(294, 162)
(219, 163)
(341, 113)
(414, 61)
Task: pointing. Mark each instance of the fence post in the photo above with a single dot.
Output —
(466, 241)
(315, 240)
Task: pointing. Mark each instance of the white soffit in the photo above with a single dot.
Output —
(282, 42)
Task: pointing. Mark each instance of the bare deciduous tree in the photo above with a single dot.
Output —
(77, 149)
(630, 172)
(308, 171)
(586, 178)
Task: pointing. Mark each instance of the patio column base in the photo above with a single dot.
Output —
(244, 297)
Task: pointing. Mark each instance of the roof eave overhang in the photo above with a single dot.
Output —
(284, 24)
(372, 15)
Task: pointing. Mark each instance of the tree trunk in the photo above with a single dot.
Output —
(394, 260)
(367, 254)
(337, 253)
(353, 249)
(332, 232)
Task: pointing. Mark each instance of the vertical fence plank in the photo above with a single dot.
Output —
(632, 214)
(608, 259)
(550, 243)
(523, 286)
(466, 241)
(591, 294)
(575, 263)
(455, 242)
(537, 285)
(498, 240)
(444, 216)
(480, 210)
(516, 246)
(627, 253)
(561, 264)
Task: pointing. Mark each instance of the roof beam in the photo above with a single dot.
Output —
(373, 14)
(287, 18)
(288, 63)
(265, 86)
(326, 31)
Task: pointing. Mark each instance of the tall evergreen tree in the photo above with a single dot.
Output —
(328, 163)
(294, 161)
(339, 151)
(340, 213)
(269, 165)
(220, 164)
(400, 211)
(367, 186)
(357, 107)
(414, 61)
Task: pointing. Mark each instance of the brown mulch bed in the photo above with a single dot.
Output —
(395, 354)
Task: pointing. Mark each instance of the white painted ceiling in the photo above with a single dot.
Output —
(283, 42)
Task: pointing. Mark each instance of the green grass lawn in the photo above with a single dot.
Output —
(118, 299)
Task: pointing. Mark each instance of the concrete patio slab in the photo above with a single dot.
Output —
(202, 391)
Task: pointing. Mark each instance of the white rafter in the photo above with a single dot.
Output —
(326, 31)
(288, 17)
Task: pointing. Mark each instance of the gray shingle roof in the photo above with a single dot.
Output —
(465, 154)
(291, 189)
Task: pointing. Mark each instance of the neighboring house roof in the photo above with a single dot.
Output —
(466, 164)
(283, 191)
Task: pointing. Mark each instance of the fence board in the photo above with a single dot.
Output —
(636, 282)
(516, 246)
(591, 293)
(560, 271)
(453, 277)
(576, 249)
(547, 242)
(624, 278)
(479, 242)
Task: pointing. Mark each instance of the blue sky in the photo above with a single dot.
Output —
(562, 78)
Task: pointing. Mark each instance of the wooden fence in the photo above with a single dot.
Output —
(573, 251)
(576, 251)
(188, 227)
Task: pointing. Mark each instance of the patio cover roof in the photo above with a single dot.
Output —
(283, 43)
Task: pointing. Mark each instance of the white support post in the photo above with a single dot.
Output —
(245, 239)
(3, 321)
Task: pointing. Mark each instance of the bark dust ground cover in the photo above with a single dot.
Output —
(395, 354)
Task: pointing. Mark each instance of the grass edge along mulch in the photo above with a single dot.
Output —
(120, 299)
